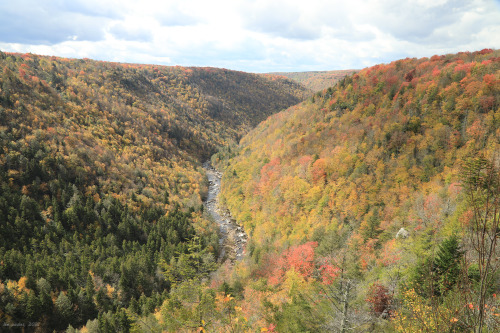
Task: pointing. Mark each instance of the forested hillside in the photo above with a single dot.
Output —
(371, 206)
(317, 80)
(374, 204)
(101, 182)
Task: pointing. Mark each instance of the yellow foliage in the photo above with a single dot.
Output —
(11, 284)
(294, 283)
(109, 290)
(418, 316)
(22, 283)
(158, 316)
(18, 287)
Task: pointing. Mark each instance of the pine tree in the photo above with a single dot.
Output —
(435, 276)
(447, 264)
(33, 307)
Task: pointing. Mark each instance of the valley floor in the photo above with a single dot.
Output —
(232, 236)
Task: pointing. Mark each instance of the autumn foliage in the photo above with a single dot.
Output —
(378, 153)
(101, 181)
(299, 258)
(380, 299)
(352, 200)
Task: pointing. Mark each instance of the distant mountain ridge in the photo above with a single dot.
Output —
(103, 110)
(317, 80)
(351, 195)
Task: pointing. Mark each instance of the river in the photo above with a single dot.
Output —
(233, 238)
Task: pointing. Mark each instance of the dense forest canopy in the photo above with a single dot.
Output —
(373, 205)
(101, 182)
(367, 175)
(144, 126)
(365, 146)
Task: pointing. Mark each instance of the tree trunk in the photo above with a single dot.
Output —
(345, 308)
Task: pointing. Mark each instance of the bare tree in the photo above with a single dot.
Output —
(334, 303)
(481, 181)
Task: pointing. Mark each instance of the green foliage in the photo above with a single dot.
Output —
(481, 178)
(374, 165)
(99, 265)
(380, 152)
(434, 277)
(101, 181)
(100, 189)
(448, 262)
(296, 316)
(196, 263)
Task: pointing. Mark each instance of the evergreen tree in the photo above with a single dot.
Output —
(436, 276)
(447, 264)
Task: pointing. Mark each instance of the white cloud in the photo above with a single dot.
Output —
(257, 36)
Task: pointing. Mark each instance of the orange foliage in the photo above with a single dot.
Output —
(318, 171)
(328, 273)
(299, 258)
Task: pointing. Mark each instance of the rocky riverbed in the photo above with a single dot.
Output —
(232, 236)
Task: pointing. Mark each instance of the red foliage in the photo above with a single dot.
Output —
(476, 130)
(269, 173)
(487, 102)
(305, 160)
(464, 67)
(466, 218)
(390, 254)
(409, 76)
(380, 299)
(486, 51)
(489, 79)
(328, 273)
(271, 328)
(436, 72)
(454, 189)
(391, 80)
(269, 169)
(300, 258)
(318, 171)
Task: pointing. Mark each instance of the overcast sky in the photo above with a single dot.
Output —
(252, 36)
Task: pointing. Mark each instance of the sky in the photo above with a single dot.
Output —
(253, 36)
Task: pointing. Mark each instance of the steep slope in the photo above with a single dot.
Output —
(101, 182)
(380, 151)
(119, 116)
(317, 80)
(390, 129)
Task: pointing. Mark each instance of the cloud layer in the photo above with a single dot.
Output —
(255, 36)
